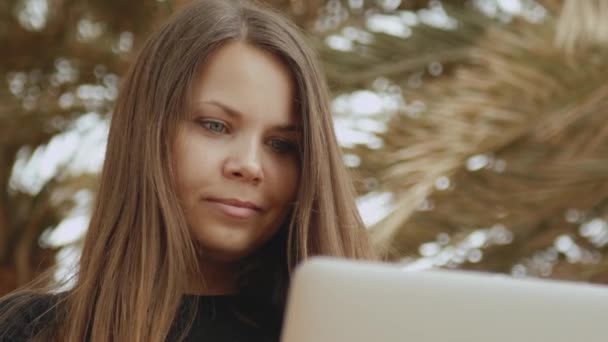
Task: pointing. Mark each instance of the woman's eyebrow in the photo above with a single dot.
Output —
(288, 128)
(237, 114)
(229, 110)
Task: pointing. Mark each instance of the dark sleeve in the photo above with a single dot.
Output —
(22, 316)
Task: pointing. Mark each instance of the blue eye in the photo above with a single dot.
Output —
(214, 126)
(282, 146)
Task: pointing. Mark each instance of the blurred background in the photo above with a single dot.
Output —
(478, 129)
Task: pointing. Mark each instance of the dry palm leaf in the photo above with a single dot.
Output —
(530, 104)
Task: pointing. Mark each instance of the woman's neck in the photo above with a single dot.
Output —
(218, 278)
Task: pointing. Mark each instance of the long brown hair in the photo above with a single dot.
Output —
(138, 256)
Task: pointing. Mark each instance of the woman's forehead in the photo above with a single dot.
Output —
(240, 79)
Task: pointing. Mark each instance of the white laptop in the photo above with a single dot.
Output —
(335, 300)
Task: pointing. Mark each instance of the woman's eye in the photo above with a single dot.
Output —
(282, 146)
(214, 126)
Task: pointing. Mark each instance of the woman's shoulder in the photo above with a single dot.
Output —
(22, 315)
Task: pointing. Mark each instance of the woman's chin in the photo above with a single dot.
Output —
(224, 253)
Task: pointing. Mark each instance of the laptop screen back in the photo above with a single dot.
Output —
(335, 300)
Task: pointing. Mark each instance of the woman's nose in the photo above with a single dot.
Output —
(245, 164)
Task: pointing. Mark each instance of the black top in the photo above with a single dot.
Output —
(218, 319)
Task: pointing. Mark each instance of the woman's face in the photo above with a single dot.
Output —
(236, 154)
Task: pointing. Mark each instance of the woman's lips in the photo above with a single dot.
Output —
(233, 211)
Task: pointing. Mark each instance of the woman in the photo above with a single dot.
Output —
(222, 173)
